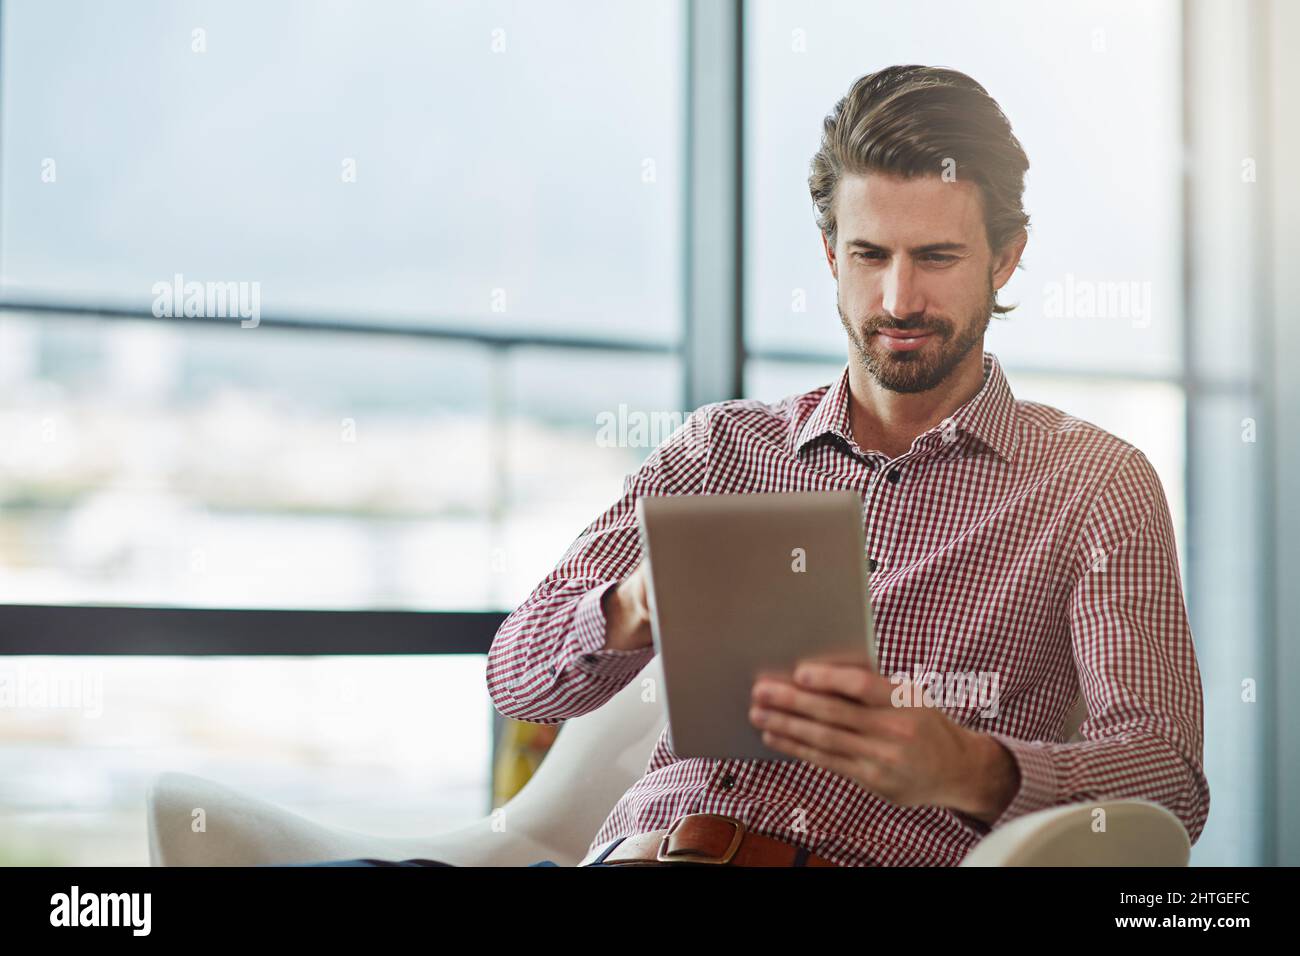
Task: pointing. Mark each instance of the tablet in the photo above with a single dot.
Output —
(747, 584)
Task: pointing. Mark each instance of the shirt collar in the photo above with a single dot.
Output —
(988, 417)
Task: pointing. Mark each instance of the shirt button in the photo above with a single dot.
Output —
(871, 564)
(893, 476)
(589, 658)
(728, 782)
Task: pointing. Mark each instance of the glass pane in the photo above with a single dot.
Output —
(1228, 535)
(445, 163)
(1092, 93)
(770, 381)
(580, 423)
(150, 463)
(145, 462)
(392, 746)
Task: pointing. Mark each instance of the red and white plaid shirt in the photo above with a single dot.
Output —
(1011, 539)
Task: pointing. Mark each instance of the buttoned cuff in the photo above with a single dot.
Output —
(586, 650)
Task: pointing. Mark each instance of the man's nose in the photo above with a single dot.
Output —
(902, 296)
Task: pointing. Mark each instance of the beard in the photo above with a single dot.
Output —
(921, 369)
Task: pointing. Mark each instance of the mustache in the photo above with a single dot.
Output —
(873, 324)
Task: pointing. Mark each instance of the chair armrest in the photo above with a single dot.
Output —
(1136, 833)
(594, 759)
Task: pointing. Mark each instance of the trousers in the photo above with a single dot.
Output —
(367, 861)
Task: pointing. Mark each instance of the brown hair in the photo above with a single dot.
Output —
(920, 120)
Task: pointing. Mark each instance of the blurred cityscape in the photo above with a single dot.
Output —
(145, 464)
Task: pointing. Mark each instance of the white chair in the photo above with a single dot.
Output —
(594, 760)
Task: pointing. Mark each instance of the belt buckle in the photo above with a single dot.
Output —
(691, 856)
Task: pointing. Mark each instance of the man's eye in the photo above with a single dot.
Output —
(868, 255)
(939, 257)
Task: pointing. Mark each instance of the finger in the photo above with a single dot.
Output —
(826, 708)
(861, 770)
(820, 736)
(850, 680)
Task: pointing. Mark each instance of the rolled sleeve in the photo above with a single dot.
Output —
(585, 649)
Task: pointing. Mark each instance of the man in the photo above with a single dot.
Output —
(1006, 538)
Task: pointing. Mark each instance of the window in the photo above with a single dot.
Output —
(424, 215)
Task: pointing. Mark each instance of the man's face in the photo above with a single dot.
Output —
(911, 255)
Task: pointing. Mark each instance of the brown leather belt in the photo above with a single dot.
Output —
(706, 838)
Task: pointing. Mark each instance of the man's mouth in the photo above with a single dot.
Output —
(903, 340)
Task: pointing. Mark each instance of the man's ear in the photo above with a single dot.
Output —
(830, 256)
(1006, 259)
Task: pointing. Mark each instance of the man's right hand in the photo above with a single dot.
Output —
(627, 613)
